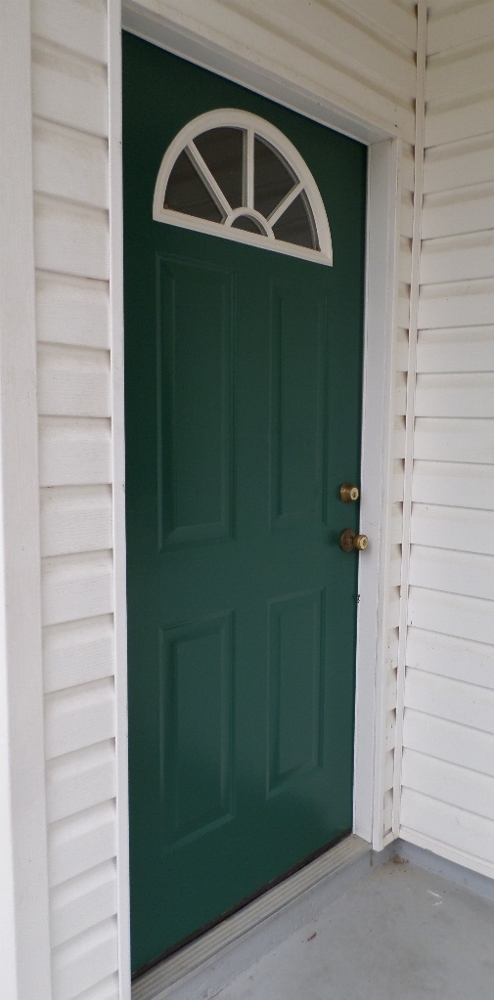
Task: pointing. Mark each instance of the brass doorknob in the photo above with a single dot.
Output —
(349, 492)
(349, 541)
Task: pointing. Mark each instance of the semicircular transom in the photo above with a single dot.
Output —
(233, 174)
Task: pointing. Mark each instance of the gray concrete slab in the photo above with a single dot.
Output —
(401, 933)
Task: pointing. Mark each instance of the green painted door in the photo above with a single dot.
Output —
(243, 386)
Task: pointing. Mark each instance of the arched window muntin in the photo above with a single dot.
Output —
(303, 185)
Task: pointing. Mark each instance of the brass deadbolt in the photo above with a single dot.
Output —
(349, 492)
(349, 541)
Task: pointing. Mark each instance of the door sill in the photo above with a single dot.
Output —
(154, 985)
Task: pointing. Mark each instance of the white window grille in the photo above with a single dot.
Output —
(233, 174)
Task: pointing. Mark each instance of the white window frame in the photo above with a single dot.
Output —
(253, 125)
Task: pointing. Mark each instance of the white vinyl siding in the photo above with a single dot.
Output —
(447, 772)
(71, 197)
(359, 54)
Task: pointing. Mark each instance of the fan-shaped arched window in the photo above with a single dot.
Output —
(231, 173)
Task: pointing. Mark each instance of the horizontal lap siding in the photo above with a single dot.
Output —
(356, 54)
(70, 129)
(447, 773)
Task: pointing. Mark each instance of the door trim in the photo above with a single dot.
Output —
(378, 418)
(382, 246)
(24, 887)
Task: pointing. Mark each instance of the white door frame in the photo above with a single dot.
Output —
(382, 246)
(377, 411)
(23, 858)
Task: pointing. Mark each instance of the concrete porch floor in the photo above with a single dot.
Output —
(400, 933)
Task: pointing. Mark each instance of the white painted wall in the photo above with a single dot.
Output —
(448, 750)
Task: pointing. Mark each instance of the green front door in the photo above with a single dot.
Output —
(243, 385)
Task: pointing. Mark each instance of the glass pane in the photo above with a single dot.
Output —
(272, 178)
(249, 225)
(222, 149)
(295, 225)
(186, 192)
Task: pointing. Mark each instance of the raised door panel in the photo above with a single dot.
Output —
(298, 404)
(195, 406)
